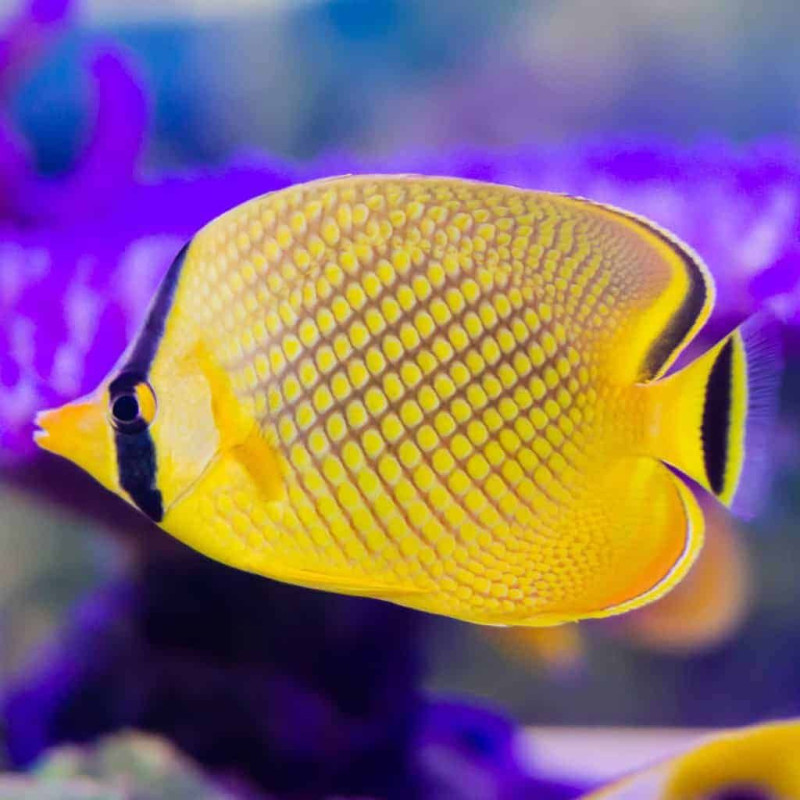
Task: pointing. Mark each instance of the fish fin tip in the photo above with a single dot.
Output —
(694, 534)
(655, 537)
(762, 352)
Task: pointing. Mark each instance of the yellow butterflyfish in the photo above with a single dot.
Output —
(439, 392)
(755, 763)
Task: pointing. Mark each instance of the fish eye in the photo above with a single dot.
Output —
(132, 404)
(125, 409)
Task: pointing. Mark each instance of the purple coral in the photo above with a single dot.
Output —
(81, 254)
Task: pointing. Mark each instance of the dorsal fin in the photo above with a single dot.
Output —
(684, 303)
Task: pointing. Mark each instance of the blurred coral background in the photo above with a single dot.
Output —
(126, 125)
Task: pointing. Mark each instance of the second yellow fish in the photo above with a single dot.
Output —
(437, 392)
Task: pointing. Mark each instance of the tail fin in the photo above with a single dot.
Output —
(713, 419)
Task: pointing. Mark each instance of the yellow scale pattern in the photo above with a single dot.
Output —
(426, 359)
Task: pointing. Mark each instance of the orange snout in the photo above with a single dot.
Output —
(80, 432)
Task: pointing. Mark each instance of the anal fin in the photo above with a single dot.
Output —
(676, 517)
(638, 530)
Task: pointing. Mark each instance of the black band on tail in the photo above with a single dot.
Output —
(717, 418)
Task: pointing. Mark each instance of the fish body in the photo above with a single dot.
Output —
(755, 762)
(438, 392)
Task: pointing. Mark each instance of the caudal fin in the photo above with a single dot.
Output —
(714, 419)
(763, 357)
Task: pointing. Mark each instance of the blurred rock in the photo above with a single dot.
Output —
(299, 692)
(17, 788)
(126, 766)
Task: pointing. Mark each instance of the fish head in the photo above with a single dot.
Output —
(146, 437)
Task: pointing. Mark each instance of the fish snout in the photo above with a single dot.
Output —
(44, 422)
(80, 432)
(58, 428)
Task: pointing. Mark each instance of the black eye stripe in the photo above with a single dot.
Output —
(136, 453)
(126, 383)
(136, 459)
(136, 456)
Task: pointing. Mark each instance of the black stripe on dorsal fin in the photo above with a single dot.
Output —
(698, 297)
(694, 306)
(717, 418)
(146, 345)
(685, 317)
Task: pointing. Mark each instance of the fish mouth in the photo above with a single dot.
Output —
(41, 435)
(79, 432)
(70, 429)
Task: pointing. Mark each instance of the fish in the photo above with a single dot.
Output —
(753, 763)
(438, 392)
